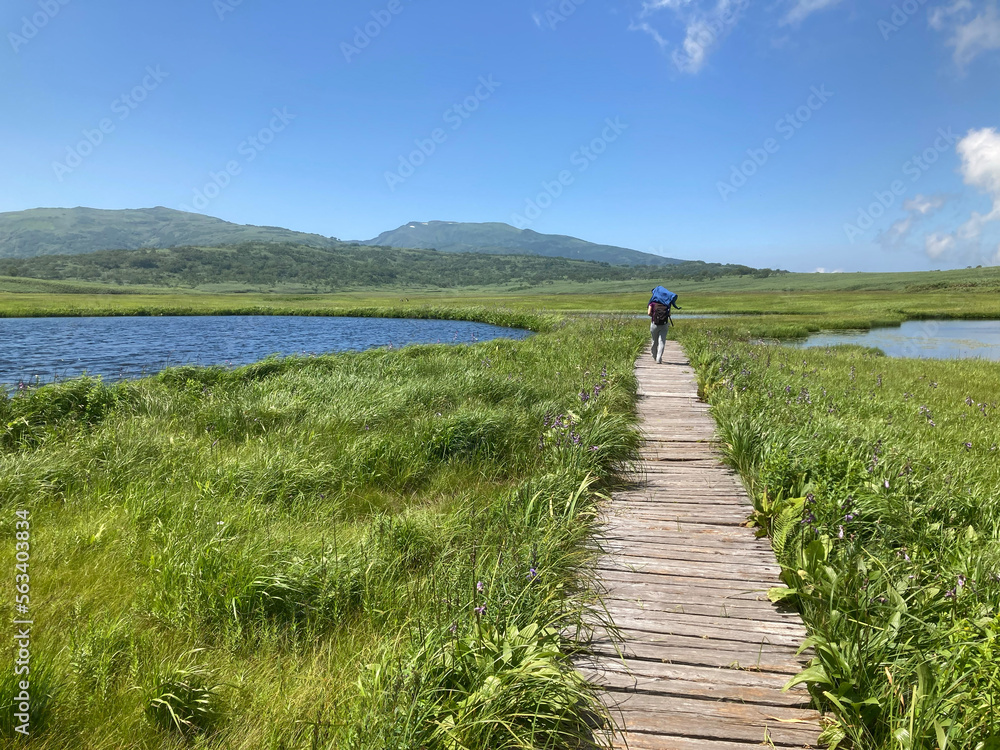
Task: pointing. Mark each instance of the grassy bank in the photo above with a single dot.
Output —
(376, 550)
(890, 298)
(877, 480)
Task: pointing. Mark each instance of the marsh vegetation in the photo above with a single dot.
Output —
(877, 480)
(374, 550)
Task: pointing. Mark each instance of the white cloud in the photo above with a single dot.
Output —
(804, 8)
(658, 4)
(937, 245)
(939, 16)
(652, 32)
(972, 28)
(917, 209)
(705, 22)
(697, 41)
(980, 154)
(925, 205)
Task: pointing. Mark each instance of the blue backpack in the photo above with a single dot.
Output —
(662, 300)
(663, 296)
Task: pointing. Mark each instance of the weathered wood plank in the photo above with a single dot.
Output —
(672, 551)
(762, 688)
(698, 590)
(722, 569)
(714, 720)
(731, 636)
(638, 741)
(700, 652)
(681, 604)
(707, 626)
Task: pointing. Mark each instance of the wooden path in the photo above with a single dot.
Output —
(705, 653)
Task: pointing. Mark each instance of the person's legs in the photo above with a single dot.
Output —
(659, 336)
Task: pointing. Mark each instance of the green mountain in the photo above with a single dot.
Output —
(503, 239)
(61, 231)
(76, 231)
(285, 267)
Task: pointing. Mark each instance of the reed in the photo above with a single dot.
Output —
(374, 550)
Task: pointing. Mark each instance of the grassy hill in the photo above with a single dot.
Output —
(78, 231)
(62, 231)
(258, 266)
(503, 239)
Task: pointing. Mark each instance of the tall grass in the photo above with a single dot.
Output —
(864, 299)
(879, 482)
(375, 550)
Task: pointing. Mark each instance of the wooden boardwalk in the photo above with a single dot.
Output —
(705, 653)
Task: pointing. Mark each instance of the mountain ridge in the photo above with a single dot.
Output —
(80, 230)
(74, 231)
(497, 238)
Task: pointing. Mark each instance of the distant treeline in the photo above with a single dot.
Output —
(348, 266)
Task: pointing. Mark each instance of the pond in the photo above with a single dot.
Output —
(924, 339)
(46, 349)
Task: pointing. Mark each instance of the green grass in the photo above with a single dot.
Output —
(375, 550)
(363, 498)
(857, 298)
(877, 480)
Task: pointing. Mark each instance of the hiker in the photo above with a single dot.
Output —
(659, 316)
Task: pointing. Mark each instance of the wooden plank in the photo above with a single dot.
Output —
(718, 629)
(702, 589)
(691, 528)
(731, 609)
(721, 576)
(667, 542)
(732, 568)
(761, 688)
(675, 649)
(687, 553)
(638, 741)
(714, 720)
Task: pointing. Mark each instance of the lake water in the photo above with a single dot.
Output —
(47, 349)
(924, 339)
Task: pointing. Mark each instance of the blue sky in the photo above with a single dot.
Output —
(803, 134)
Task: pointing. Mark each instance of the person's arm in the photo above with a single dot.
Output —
(649, 311)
